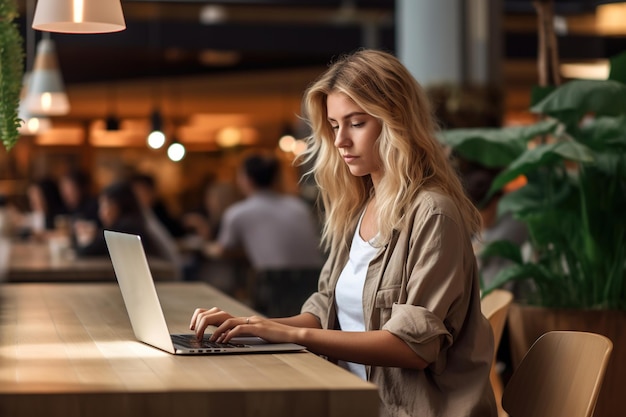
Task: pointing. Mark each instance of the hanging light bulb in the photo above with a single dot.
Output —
(156, 138)
(46, 93)
(176, 151)
(79, 16)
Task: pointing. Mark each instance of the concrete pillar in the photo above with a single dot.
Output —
(429, 39)
(450, 41)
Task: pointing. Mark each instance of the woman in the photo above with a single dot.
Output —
(45, 205)
(75, 188)
(398, 300)
(118, 210)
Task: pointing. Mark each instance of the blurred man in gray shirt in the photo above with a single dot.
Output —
(278, 234)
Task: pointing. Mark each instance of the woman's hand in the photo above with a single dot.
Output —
(229, 326)
(203, 318)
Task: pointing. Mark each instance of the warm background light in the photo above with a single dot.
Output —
(176, 152)
(156, 139)
(611, 18)
(597, 70)
(287, 143)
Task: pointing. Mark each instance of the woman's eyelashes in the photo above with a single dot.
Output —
(352, 124)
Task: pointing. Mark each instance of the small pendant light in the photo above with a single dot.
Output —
(46, 93)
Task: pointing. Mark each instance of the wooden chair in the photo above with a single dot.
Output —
(495, 307)
(560, 376)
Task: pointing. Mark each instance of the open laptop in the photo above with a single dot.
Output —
(145, 312)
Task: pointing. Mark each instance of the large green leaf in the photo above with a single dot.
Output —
(603, 132)
(494, 147)
(578, 97)
(610, 163)
(539, 156)
(502, 249)
(531, 198)
(618, 68)
(517, 272)
(539, 92)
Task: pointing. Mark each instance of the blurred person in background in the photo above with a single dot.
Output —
(77, 194)
(205, 221)
(120, 211)
(158, 221)
(146, 191)
(278, 234)
(45, 205)
(228, 274)
(82, 205)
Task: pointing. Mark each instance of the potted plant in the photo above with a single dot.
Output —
(11, 73)
(573, 204)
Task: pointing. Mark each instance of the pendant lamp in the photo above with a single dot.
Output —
(31, 125)
(79, 16)
(46, 93)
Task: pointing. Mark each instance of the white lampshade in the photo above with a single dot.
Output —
(30, 124)
(46, 93)
(79, 16)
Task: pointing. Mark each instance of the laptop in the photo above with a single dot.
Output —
(146, 315)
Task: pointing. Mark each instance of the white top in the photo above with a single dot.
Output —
(349, 292)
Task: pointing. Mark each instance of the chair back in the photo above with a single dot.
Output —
(495, 307)
(560, 376)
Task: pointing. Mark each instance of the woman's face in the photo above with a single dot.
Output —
(69, 192)
(356, 133)
(108, 211)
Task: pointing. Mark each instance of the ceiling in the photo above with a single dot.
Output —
(209, 66)
(170, 38)
(221, 56)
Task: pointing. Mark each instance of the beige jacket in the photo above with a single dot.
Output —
(423, 287)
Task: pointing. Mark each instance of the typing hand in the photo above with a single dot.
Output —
(203, 318)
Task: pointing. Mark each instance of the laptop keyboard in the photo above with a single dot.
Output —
(190, 341)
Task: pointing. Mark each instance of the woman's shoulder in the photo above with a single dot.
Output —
(434, 213)
(434, 200)
(430, 203)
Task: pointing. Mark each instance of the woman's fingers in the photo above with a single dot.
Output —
(203, 318)
(231, 328)
(194, 317)
(227, 325)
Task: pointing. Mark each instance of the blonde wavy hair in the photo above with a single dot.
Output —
(411, 156)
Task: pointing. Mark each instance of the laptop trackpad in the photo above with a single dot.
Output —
(248, 340)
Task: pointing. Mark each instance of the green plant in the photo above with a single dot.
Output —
(11, 73)
(574, 199)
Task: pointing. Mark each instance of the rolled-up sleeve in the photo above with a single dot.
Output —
(423, 331)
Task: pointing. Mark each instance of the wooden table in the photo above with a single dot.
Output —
(68, 350)
(30, 261)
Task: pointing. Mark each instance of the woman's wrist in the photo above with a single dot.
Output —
(301, 335)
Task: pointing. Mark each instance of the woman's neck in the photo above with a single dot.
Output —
(369, 225)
